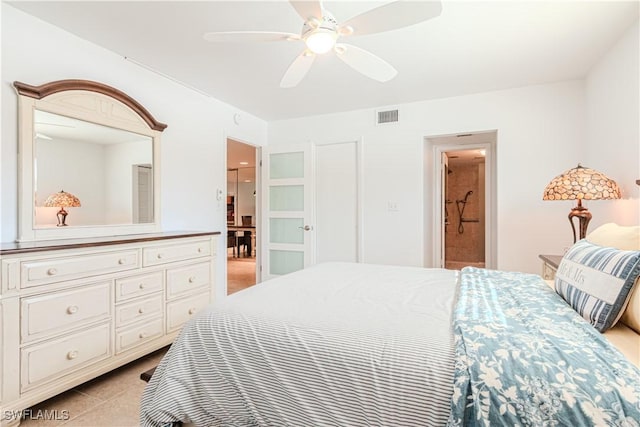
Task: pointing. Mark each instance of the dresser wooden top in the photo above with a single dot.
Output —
(52, 245)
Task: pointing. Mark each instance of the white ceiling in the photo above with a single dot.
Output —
(473, 46)
(54, 127)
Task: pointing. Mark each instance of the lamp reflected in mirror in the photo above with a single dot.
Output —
(62, 200)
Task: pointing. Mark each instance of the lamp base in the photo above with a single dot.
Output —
(584, 216)
(62, 216)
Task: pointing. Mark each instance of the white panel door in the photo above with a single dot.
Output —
(142, 194)
(336, 202)
(288, 205)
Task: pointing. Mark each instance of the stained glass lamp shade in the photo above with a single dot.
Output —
(577, 184)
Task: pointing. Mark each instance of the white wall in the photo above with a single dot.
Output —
(540, 130)
(193, 145)
(613, 128)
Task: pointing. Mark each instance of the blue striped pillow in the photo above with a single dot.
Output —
(597, 281)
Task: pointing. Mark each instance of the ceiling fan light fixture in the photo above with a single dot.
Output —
(321, 31)
(321, 40)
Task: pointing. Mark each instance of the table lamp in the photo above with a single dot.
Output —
(577, 184)
(62, 200)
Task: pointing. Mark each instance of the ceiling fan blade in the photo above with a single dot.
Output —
(308, 9)
(54, 124)
(298, 69)
(365, 62)
(43, 136)
(392, 16)
(250, 36)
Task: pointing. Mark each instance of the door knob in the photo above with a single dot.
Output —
(306, 228)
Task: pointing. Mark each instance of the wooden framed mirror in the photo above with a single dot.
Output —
(89, 159)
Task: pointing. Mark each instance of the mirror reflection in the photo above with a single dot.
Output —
(241, 196)
(109, 171)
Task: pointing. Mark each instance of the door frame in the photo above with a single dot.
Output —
(491, 211)
(258, 219)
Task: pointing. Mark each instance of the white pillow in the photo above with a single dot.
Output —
(626, 238)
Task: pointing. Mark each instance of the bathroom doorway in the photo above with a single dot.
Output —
(241, 211)
(464, 195)
(462, 182)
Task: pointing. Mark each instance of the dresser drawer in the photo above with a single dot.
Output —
(182, 280)
(54, 358)
(138, 334)
(35, 273)
(55, 312)
(178, 312)
(176, 252)
(132, 287)
(135, 310)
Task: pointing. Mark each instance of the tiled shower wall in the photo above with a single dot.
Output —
(467, 246)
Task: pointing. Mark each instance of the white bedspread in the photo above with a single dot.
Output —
(334, 345)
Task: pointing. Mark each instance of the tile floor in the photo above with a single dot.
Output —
(241, 273)
(113, 399)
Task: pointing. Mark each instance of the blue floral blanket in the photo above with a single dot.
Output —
(525, 358)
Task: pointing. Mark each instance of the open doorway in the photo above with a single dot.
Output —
(464, 220)
(242, 210)
(464, 206)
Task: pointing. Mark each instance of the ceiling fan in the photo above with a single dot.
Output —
(321, 31)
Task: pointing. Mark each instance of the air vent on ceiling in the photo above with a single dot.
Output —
(388, 116)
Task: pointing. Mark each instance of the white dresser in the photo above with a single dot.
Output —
(71, 310)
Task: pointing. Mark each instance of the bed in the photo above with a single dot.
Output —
(343, 344)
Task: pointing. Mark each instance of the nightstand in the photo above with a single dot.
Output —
(550, 265)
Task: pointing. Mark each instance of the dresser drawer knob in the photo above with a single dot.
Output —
(200, 250)
(121, 261)
(192, 279)
(159, 256)
(72, 309)
(52, 272)
(141, 310)
(141, 285)
(192, 310)
(72, 354)
(142, 335)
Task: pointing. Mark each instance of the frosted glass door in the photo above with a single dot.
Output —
(289, 228)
